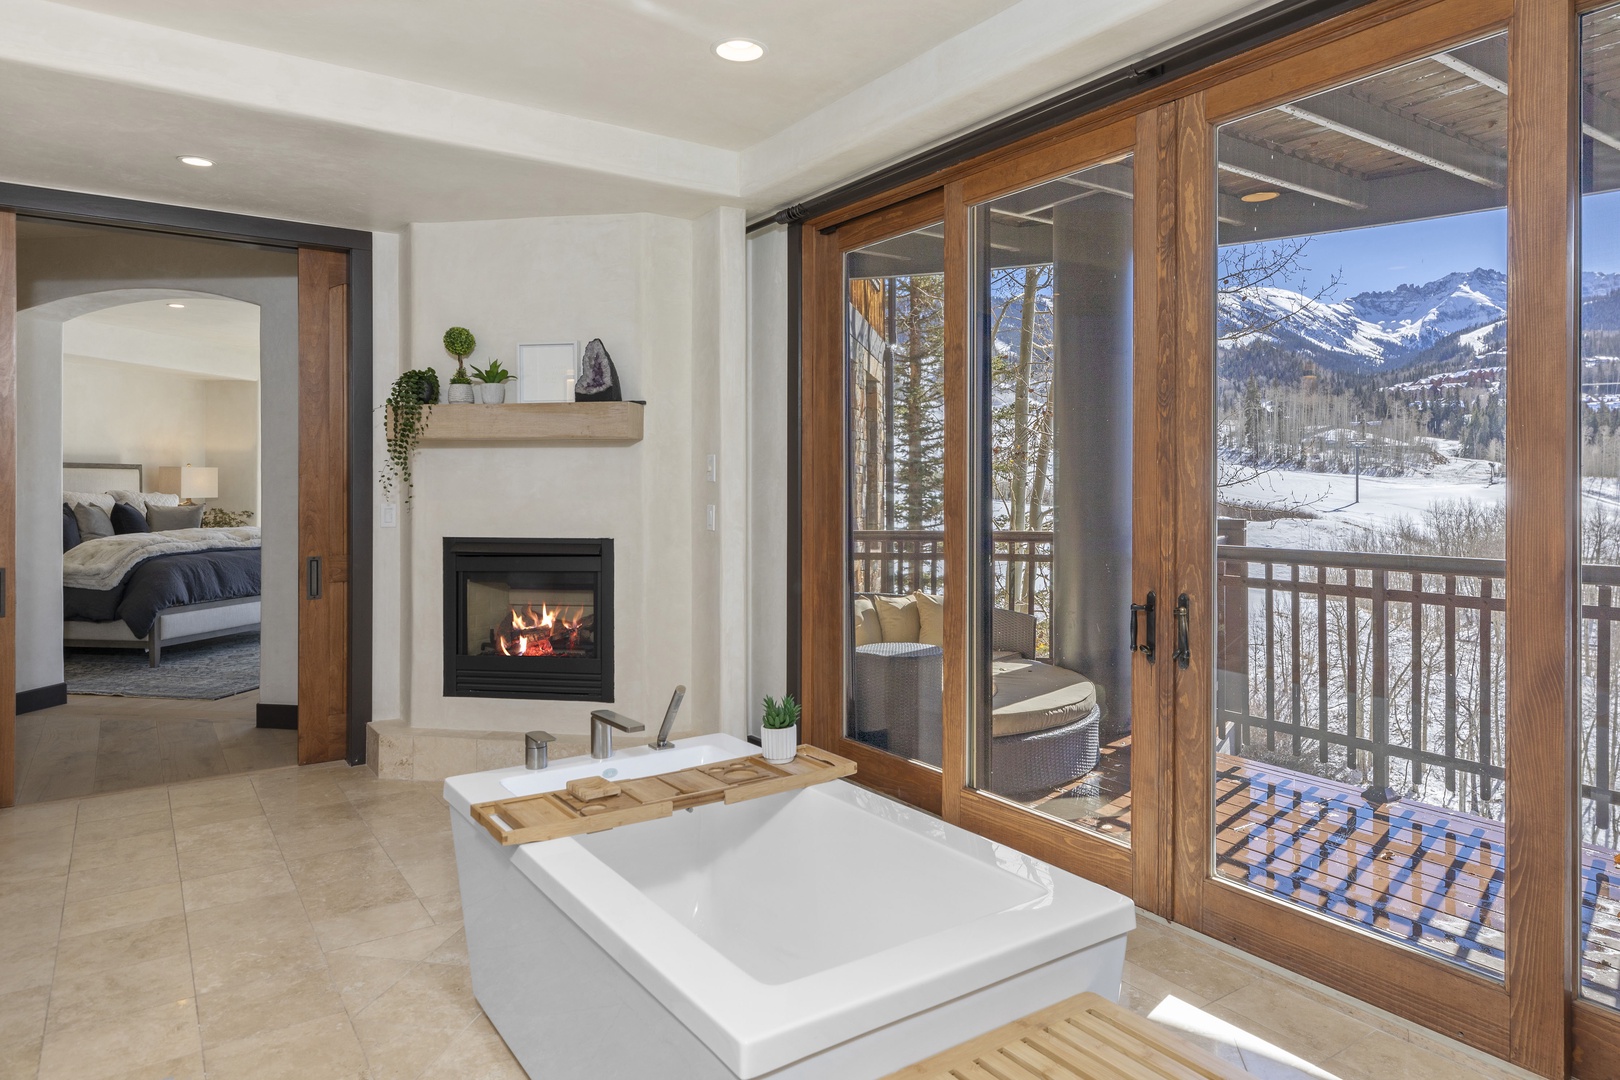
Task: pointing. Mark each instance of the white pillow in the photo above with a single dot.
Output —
(89, 498)
(141, 500)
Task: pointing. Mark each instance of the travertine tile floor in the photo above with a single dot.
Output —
(97, 744)
(305, 923)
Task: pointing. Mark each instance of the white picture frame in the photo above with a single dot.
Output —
(546, 370)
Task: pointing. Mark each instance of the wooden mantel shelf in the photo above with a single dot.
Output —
(550, 423)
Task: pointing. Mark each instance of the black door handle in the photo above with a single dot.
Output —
(1149, 608)
(1183, 654)
(314, 583)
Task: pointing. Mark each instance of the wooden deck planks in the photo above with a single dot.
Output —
(1422, 874)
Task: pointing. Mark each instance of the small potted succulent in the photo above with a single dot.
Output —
(494, 378)
(779, 730)
(459, 343)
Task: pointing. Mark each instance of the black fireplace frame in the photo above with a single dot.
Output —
(527, 677)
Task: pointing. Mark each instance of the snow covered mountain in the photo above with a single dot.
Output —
(1379, 329)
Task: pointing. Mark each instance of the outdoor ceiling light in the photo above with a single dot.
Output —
(195, 161)
(1260, 196)
(740, 49)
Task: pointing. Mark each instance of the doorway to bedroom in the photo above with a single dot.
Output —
(153, 651)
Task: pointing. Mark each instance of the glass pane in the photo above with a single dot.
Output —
(1600, 533)
(895, 347)
(1053, 729)
(1360, 497)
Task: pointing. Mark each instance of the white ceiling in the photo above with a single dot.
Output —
(372, 115)
(209, 338)
(640, 64)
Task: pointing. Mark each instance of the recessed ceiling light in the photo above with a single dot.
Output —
(740, 49)
(177, 305)
(194, 160)
(1261, 196)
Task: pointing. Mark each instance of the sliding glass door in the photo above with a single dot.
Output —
(1054, 281)
(1359, 426)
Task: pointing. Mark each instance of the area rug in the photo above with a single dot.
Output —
(205, 670)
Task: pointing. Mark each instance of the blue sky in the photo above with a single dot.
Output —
(1420, 251)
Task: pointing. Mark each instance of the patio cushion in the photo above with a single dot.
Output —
(868, 631)
(1032, 696)
(930, 618)
(898, 616)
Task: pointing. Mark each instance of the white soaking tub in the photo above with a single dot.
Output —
(824, 933)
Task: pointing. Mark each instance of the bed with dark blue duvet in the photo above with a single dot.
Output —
(145, 588)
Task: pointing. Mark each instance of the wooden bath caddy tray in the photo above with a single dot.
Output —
(594, 805)
(1086, 1037)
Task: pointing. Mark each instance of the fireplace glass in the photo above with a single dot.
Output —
(537, 614)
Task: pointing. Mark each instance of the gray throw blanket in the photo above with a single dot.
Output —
(104, 563)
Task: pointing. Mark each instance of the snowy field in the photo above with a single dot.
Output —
(1339, 518)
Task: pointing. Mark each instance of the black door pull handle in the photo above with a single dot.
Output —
(1149, 643)
(1183, 654)
(314, 583)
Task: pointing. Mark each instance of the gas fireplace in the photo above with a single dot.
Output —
(528, 618)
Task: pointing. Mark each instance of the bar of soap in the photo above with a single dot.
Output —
(591, 788)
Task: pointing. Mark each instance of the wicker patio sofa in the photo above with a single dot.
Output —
(1044, 718)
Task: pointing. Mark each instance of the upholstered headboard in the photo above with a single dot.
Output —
(94, 477)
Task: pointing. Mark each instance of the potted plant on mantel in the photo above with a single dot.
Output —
(459, 343)
(779, 730)
(410, 402)
(494, 378)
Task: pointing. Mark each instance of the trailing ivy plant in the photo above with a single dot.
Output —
(410, 404)
(460, 343)
(780, 714)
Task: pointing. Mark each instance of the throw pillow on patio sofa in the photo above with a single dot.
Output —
(898, 617)
(930, 618)
(868, 630)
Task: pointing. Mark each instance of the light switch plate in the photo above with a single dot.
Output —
(711, 517)
(390, 516)
(713, 475)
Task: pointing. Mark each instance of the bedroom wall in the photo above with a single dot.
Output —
(132, 414)
(70, 272)
(231, 442)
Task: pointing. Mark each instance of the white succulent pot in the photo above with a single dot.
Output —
(780, 745)
(461, 393)
(494, 393)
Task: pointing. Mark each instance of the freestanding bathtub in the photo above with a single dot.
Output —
(823, 934)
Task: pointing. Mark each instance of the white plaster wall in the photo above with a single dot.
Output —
(68, 273)
(628, 280)
(389, 586)
(720, 422)
(768, 461)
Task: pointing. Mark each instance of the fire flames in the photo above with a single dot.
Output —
(559, 631)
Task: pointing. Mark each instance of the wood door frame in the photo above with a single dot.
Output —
(825, 636)
(356, 246)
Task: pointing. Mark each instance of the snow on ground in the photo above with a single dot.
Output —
(1384, 499)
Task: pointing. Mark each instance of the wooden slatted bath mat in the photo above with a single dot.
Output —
(594, 804)
(1086, 1037)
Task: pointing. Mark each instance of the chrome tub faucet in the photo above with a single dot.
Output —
(603, 723)
(536, 749)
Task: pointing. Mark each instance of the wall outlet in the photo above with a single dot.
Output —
(390, 516)
(713, 473)
(711, 517)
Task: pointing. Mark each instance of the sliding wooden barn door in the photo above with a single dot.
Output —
(8, 507)
(323, 505)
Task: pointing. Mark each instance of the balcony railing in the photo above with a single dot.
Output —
(1380, 669)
